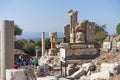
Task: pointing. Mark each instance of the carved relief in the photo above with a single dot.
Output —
(79, 36)
(53, 39)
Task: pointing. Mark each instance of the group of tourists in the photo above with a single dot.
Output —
(21, 62)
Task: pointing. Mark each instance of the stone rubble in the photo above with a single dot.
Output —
(113, 68)
(78, 73)
(15, 74)
(100, 75)
(87, 71)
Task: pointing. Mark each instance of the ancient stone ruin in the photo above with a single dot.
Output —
(79, 38)
(53, 39)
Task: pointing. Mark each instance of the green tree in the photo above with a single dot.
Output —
(29, 48)
(118, 29)
(101, 33)
(47, 44)
(17, 30)
(100, 36)
(38, 43)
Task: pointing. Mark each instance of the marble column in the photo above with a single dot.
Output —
(73, 22)
(43, 43)
(6, 47)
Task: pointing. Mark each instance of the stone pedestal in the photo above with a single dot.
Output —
(6, 47)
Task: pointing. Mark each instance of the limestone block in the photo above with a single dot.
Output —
(88, 66)
(15, 74)
(91, 46)
(69, 52)
(78, 73)
(47, 78)
(53, 78)
(65, 45)
(113, 68)
(74, 46)
(118, 44)
(107, 45)
(100, 75)
(90, 51)
(65, 79)
(84, 77)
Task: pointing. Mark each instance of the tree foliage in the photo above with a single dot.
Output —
(17, 30)
(38, 43)
(47, 44)
(29, 48)
(101, 33)
(118, 29)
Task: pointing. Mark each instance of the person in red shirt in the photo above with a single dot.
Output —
(16, 66)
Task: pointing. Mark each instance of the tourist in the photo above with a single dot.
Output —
(24, 62)
(36, 62)
(16, 66)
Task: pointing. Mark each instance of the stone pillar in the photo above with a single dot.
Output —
(73, 22)
(6, 47)
(85, 22)
(43, 43)
(66, 33)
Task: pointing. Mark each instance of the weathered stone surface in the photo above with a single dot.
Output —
(80, 37)
(78, 73)
(71, 68)
(15, 74)
(88, 51)
(73, 22)
(90, 32)
(118, 44)
(88, 66)
(6, 47)
(89, 73)
(75, 46)
(85, 78)
(100, 75)
(53, 78)
(65, 45)
(113, 68)
(42, 70)
(53, 39)
(107, 45)
(47, 78)
(66, 33)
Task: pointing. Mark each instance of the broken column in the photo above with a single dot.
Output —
(67, 33)
(73, 22)
(43, 43)
(6, 47)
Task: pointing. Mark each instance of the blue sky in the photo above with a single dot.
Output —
(51, 15)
